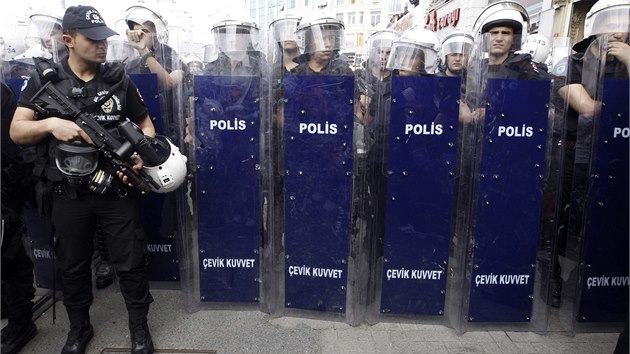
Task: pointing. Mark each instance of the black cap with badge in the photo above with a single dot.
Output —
(88, 21)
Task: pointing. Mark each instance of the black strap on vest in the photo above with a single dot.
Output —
(48, 72)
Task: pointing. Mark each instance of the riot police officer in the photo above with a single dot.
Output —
(605, 24)
(456, 48)
(77, 208)
(502, 26)
(148, 33)
(236, 36)
(320, 38)
(283, 42)
(373, 89)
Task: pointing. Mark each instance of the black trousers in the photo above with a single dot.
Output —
(75, 221)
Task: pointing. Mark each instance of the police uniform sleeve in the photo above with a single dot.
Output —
(136, 109)
(29, 89)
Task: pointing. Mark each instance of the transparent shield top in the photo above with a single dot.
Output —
(119, 49)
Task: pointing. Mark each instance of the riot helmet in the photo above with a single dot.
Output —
(378, 47)
(283, 28)
(170, 173)
(319, 34)
(44, 38)
(144, 16)
(504, 14)
(605, 17)
(235, 35)
(282, 42)
(456, 49)
(538, 46)
(415, 52)
(194, 63)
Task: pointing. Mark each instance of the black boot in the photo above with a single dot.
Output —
(15, 336)
(141, 342)
(78, 338)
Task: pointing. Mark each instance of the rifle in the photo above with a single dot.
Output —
(50, 100)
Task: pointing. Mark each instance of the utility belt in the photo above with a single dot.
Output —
(73, 191)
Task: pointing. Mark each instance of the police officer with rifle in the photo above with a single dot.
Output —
(91, 184)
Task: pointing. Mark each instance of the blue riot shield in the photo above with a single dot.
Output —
(16, 85)
(158, 211)
(421, 168)
(318, 121)
(227, 187)
(604, 285)
(508, 200)
(595, 268)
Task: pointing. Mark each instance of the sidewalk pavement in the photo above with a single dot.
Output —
(175, 330)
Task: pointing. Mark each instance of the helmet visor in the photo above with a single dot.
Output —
(611, 20)
(45, 30)
(235, 38)
(457, 48)
(412, 57)
(319, 38)
(284, 30)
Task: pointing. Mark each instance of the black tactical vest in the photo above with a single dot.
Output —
(109, 114)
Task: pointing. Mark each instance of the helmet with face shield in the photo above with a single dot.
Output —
(415, 52)
(320, 33)
(170, 173)
(235, 35)
(283, 27)
(457, 44)
(605, 17)
(144, 16)
(378, 47)
(44, 38)
(504, 14)
(283, 39)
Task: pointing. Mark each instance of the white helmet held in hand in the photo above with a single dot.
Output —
(171, 173)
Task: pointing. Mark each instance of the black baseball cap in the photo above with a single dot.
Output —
(88, 21)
